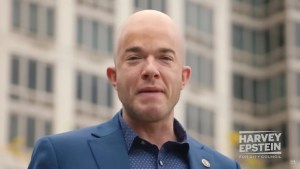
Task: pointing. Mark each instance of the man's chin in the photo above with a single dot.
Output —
(151, 114)
(151, 109)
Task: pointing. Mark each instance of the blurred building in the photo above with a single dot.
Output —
(244, 56)
(265, 72)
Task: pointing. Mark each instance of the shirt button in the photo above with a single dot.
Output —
(161, 163)
(143, 142)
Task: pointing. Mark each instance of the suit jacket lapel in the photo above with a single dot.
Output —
(197, 154)
(108, 146)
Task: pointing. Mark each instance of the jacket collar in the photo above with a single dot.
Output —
(109, 148)
(197, 153)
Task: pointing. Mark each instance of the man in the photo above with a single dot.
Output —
(148, 75)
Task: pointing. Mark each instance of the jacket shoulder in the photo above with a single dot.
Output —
(87, 132)
(219, 159)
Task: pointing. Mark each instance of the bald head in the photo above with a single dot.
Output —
(149, 71)
(149, 22)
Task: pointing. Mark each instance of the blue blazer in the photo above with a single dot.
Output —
(103, 147)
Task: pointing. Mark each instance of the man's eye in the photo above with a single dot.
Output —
(133, 57)
(167, 58)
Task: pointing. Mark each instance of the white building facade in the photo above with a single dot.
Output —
(243, 54)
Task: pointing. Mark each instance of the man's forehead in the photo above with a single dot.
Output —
(148, 28)
(147, 24)
(149, 33)
(147, 19)
(149, 41)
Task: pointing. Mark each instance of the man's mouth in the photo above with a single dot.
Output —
(150, 90)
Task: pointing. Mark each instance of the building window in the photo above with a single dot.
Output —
(79, 86)
(258, 44)
(244, 39)
(284, 137)
(93, 89)
(16, 13)
(262, 91)
(79, 31)
(13, 127)
(239, 127)
(238, 86)
(277, 36)
(109, 95)
(261, 41)
(39, 18)
(267, 95)
(159, 5)
(192, 61)
(199, 17)
(298, 35)
(94, 35)
(105, 93)
(191, 13)
(27, 128)
(278, 86)
(141, 4)
(100, 5)
(202, 69)
(281, 35)
(48, 128)
(298, 135)
(298, 84)
(205, 19)
(261, 48)
(103, 36)
(15, 70)
(249, 85)
(200, 120)
(50, 22)
(237, 37)
(110, 39)
(33, 17)
(247, 40)
(95, 30)
(28, 77)
(206, 71)
(258, 8)
(49, 79)
(30, 132)
(32, 74)
(282, 85)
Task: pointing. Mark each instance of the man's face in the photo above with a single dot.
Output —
(149, 72)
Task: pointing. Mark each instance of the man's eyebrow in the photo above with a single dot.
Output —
(137, 49)
(134, 49)
(166, 50)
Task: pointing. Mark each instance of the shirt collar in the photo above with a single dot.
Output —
(130, 135)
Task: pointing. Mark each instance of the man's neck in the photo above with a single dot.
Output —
(156, 133)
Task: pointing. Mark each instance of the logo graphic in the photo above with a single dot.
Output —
(260, 144)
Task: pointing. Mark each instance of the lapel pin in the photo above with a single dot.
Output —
(205, 163)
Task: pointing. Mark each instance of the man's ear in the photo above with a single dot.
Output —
(112, 76)
(186, 75)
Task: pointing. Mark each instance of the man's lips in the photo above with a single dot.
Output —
(150, 90)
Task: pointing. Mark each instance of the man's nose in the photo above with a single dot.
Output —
(150, 70)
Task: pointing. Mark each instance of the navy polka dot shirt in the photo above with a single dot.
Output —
(144, 155)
